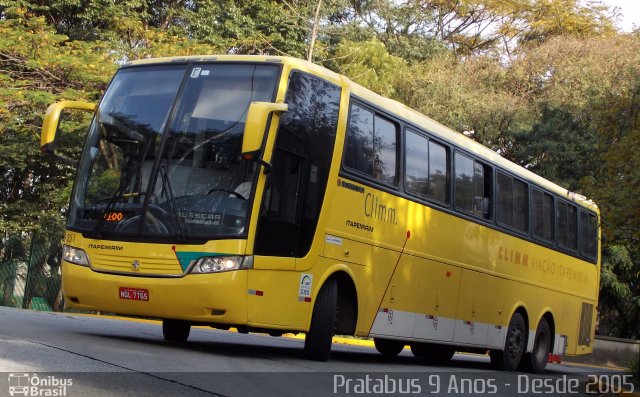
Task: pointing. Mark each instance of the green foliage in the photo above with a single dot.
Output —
(369, 64)
(256, 27)
(40, 67)
(620, 292)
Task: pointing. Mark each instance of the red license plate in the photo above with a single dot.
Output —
(135, 294)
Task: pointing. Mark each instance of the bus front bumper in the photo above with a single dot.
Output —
(219, 298)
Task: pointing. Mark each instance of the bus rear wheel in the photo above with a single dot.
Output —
(433, 353)
(317, 343)
(388, 347)
(537, 360)
(514, 346)
(175, 330)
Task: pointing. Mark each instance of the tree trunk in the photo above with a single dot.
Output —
(314, 31)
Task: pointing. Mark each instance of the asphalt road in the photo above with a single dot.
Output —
(74, 355)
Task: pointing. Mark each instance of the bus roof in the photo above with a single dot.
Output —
(396, 108)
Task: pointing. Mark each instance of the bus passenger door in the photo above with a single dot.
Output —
(277, 240)
(279, 222)
(291, 202)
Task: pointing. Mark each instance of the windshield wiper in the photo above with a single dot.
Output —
(130, 170)
(166, 184)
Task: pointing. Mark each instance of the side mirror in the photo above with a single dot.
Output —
(256, 125)
(52, 120)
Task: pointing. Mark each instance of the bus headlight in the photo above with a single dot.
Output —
(74, 255)
(217, 264)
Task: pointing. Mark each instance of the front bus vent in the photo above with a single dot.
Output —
(584, 339)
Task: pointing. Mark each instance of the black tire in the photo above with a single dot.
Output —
(317, 343)
(175, 330)
(537, 360)
(515, 345)
(388, 347)
(433, 353)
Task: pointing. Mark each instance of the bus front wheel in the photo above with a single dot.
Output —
(317, 343)
(388, 347)
(514, 346)
(175, 330)
(536, 361)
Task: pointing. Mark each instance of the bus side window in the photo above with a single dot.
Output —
(542, 215)
(567, 225)
(472, 186)
(385, 153)
(359, 149)
(426, 167)
(416, 163)
(588, 234)
(513, 202)
(371, 145)
(438, 173)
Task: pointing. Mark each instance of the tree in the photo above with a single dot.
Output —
(620, 292)
(40, 67)
(368, 63)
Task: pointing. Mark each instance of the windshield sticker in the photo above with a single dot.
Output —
(195, 73)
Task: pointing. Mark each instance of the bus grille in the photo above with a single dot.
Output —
(136, 265)
(584, 338)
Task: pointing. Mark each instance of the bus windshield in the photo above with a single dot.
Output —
(162, 158)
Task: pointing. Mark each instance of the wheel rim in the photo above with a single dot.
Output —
(516, 340)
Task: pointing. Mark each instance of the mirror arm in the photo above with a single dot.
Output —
(257, 159)
(267, 166)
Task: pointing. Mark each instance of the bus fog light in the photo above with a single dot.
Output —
(74, 255)
(217, 264)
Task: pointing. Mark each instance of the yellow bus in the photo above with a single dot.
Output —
(272, 195)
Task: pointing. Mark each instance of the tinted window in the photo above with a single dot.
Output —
(572, 228)
(504, 195)
(542, 215)
(588, 234)
(371, 145)
(520, 206)
(464, 182)
(513, 208)
(359, 154)
(300, 167)
(562, 223)
(472, 186)
(478, 188)
(384, 148)
(567, 222)
(438, 172)
(416, 157)
(426, 167)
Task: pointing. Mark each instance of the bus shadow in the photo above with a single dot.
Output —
(360, 358)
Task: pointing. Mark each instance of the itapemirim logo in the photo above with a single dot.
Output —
(32, 385)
